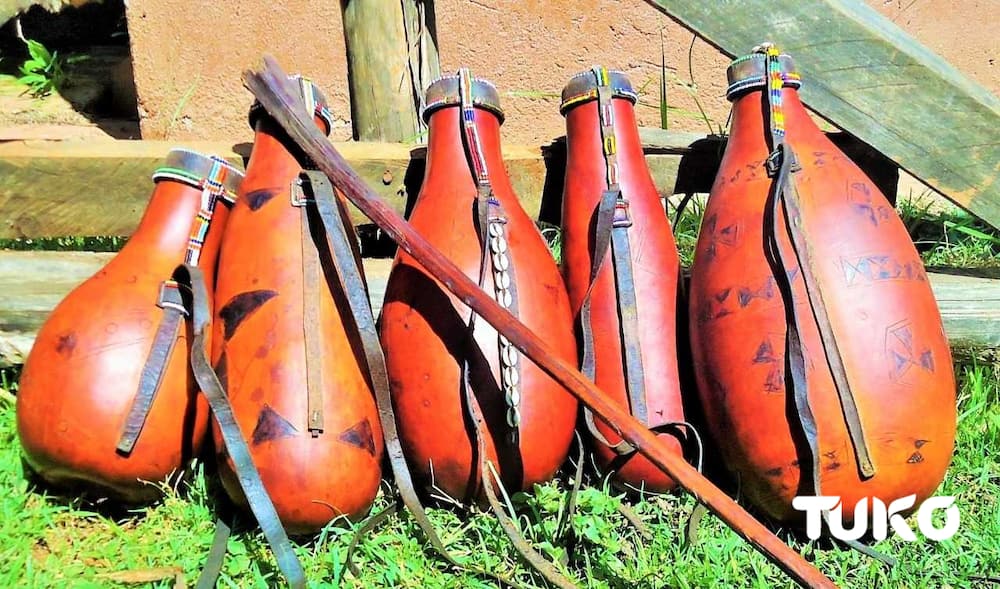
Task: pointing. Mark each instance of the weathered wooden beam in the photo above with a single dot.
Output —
(57, 188)
(970, 309)
(865, 75)
(384, 92)
(32, 283)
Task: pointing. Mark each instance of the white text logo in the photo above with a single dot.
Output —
(882, 517)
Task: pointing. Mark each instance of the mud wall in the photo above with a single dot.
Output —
(188, 56)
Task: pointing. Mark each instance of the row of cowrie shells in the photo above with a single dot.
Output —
(509, 356)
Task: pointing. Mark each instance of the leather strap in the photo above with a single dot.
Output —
(217, 180)
(155, 367)
(343, 250)
(216, 556)
(312, 277)
(491, 224)
(611, 231)
(192, 279)
(785, 202)
(628, 316)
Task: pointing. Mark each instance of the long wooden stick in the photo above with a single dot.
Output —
(281, 99)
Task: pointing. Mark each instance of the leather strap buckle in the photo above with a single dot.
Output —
(622, 215)
(297, 194)
(170, 297)
(773, 162)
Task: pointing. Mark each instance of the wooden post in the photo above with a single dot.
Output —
(388, 44)
(421, 39)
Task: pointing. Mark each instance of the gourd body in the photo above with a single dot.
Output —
(424, 330)
(84, 369)
(262, 313)
(881, 310)
(656, 269)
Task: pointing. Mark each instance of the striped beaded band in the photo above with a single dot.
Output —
(217, 179)
(583, 87)
(446, 91)
(466, 91)
(193, 168)
(316, 103)
(750, 72)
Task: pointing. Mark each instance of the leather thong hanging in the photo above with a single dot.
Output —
(622, 269)
(818, 345)
(106, 401)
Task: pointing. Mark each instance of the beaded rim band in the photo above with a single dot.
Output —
(750, 72)
(446, 91)
(315, 102)
(192, 168)
(583, 87)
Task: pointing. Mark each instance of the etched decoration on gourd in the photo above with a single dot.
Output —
(467, 210)
(621, 267)
(107, 404)
(284, 344)
(819, 351)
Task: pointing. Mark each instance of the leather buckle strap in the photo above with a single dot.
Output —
(171, 300)
(170, 297)
(613, 220)
(622, 216)
(236, 445)
(302, 195)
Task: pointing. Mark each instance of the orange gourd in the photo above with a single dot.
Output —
(80, 381)
(297, 384)
(467, 203)
(868, 302)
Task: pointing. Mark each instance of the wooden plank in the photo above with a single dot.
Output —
(56, 188)
(970, 308)
(865, 75)
(32, 283)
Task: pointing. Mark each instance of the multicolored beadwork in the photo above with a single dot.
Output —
(215, 184)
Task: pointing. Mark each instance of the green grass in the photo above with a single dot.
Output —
(102, 243)
(949, 236)
(54, 542)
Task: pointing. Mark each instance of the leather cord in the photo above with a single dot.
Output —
(350, 280)
(192, 280)
(155, 367)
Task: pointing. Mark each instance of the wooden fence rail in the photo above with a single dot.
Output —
(57, 188)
